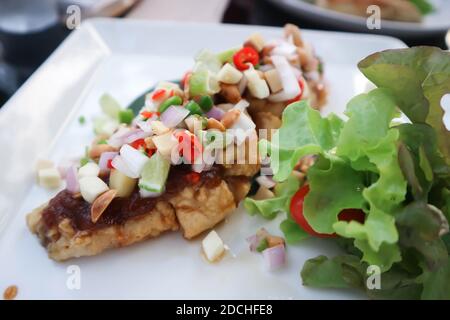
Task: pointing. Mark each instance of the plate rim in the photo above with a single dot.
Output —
(405, 28)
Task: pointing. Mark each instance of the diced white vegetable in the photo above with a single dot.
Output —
(90, 169)
(134, 159)
(165, 143)
(229, 74)
(91, 188)
(194, 123)
(121, 183)
(159, 128)
(213, 246)
(117, 139)
(119, 164)
(257, 86)
(257, 41)
(284, 49)
(273, 79)
(241, 105)
(243, 127)
(291, 88)
(49, 178)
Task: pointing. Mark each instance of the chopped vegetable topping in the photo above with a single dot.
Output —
(172, 101)
(244, 56)
(206, 103)
(155, 173)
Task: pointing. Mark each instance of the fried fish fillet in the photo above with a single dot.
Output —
(193, 208)
(399, 10)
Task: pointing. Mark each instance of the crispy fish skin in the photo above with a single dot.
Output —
(63, 242)
(199, 210)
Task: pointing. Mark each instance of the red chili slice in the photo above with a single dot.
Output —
(138, 144)
(189, 146)
(158, 94)
(299, 97)
(244, 56)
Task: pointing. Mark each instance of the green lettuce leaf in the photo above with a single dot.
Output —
(303, 132)
(344, 271)
(424, 6)
(292, 231)
(419, 78)
(333, 186)
(436, 284)
(384, 257)
(269, 208)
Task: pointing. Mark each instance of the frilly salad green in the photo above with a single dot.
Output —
(397, 174)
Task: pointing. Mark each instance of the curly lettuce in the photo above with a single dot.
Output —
(399, 175)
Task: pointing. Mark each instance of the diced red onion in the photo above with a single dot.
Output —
(173, 116)
(119, 164)
(134, 159)
(145, 125)
(275, 257)
(215, 113)
(291, 88)
(266, 181)
(266, 171)
(253, 242)
(116, 140)
(105, 157)
(72, 184)
(62, 171)
(136, 134)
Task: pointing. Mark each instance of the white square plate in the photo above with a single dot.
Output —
(125, 58)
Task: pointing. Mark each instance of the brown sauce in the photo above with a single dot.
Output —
(65, 205)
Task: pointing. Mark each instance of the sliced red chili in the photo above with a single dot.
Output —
(149, 114)
(140, 143)
(185, 80)
(244, 56)
(299, 97)
(109, 164)
(158, 94)
(151, 152)
(189, 146)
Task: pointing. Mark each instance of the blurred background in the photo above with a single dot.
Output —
(31, 29)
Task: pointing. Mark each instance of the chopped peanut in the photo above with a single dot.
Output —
(97, 149)
(230, 92)
(159, 128)
(214, 124)
(230, 118)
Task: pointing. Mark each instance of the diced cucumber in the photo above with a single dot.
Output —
(227, 55)
(110, 106)
(155, 173)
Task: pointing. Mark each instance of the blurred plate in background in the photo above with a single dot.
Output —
(435, 23)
